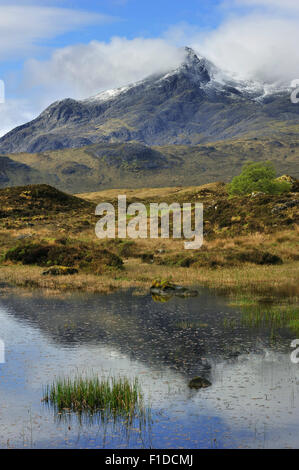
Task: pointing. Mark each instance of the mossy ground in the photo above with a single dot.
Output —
(86, 256)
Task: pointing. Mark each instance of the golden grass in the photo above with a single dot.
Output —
(144, 194)
(280, 280)
(273, 281)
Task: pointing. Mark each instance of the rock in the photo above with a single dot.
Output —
(60, 271)
(167, 289)
(161, 299)
(199, 382)
(161, 292)
(289, 179)
(283, 207)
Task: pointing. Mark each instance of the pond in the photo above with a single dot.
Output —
(253, 401)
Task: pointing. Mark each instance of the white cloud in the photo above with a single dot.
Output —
(281, 5)
(82, 70)
(256, 46)
(14, 113)
(23, 27)
(259, 42)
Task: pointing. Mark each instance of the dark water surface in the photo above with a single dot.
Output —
(253, 401)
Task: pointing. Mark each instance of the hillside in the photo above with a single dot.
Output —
(134, 165)
(223, 216)
(38, 200)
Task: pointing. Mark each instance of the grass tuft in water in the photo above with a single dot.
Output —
(262, 315)
(113, 396)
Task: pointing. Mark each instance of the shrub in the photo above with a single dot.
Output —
(63, 252)
(257, 177)
(259, 257)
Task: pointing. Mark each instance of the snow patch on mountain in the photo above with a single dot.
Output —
(108, 94)
(209, 77)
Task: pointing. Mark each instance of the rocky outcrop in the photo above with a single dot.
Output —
(165, 288)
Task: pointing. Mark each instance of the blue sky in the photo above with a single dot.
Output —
(146, 18)
(153, 18)
(59, 48)
(127, 18)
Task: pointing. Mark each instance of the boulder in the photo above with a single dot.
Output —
(166, 288)
(289, 179)
(199, 382)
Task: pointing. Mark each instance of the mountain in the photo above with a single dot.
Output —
(193, 104)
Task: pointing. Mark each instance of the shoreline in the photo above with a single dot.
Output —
(263, 283)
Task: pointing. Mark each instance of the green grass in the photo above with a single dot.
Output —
(294, 325)
(271, 316)
(118, 397)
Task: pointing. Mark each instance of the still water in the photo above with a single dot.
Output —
(253, 401)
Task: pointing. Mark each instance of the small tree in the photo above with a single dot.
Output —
(257, 177)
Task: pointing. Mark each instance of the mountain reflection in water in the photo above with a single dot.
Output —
(253, 400)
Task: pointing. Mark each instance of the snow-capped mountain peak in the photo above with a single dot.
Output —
(200, 70)
(196, 67)
(194, 103)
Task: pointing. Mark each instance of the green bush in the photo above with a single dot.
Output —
(257, 177)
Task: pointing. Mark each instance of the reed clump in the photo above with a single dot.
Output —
(271, 316)
(110, 396)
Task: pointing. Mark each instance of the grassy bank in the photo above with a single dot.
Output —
(275, 282)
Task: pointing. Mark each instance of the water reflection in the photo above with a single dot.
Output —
(182, 334)
(253, 400)
(130, 431)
